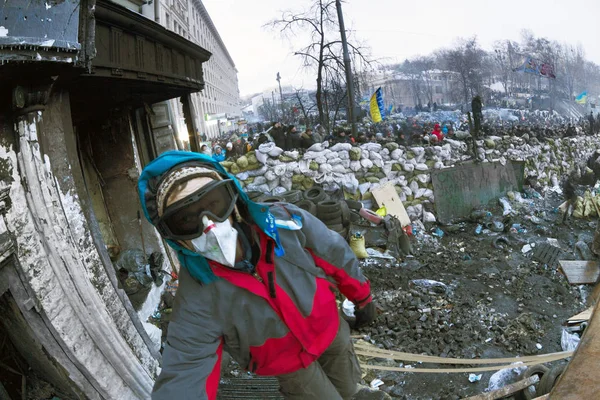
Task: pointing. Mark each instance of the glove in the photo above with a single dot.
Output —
(365, 315)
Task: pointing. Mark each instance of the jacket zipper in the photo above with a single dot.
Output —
(258, 278)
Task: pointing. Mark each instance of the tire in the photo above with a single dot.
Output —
(336, 227)
(345, 213)
(354, 217)
(270, 199)
(343, 233)
(254, 195)
(329, 210)
(331, 221)
(539, 370)
(549, 379)
(292, 196)
(315, 195)
(307, 205)
(354, 205)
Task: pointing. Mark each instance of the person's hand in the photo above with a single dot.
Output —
(364, 315)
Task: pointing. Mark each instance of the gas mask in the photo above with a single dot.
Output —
(218, 242)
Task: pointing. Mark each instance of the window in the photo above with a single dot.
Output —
(438, 89)
(168, 21)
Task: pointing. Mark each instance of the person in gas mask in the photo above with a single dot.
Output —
(257, 280)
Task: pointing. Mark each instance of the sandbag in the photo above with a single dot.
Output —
(357, 244)
(260, 180)
(341, 146)
(396, 154)
(242, 162)
(286, 183)
(258, 172)
(325, 168)
(317, 147)
(252, 160)
(261, 157)
(279, 170)
(265, 148)
(355, 166)
(273, 184)
(366, 163)
(354, 153)
(270, 175)
(292, 154)
(344, 155)
(339, 168)
(275, 152)
(242, 176)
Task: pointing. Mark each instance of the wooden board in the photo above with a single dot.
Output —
(506, 390)
(580, 272)
(388, 197)
(582, 316)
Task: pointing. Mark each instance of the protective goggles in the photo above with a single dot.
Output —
(182, 220)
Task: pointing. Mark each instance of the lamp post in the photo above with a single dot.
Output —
(347, 67)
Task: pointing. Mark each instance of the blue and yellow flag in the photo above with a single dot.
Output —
(377, 111)
(582, 98)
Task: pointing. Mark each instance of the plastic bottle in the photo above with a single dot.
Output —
(478, 229)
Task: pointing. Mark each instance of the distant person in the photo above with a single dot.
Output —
(319, 134)
(205, 150)
(278, 134)
(292, 139)
(219, 154)
(437, 135)
(307, 139)
(591, 120)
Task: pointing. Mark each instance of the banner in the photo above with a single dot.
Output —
(581, 99)
(377, 111)
(535, 67)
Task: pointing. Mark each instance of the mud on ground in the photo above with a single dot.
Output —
(495, 302)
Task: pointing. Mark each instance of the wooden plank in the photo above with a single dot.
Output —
(386, 196)
(580, 378)
(580, 272)
(506, 390)
(582, 316)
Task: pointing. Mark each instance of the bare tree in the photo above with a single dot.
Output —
(305, 106)
(466, 59)
(505, 57)
(323, 53)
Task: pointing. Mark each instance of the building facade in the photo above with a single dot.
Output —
(402, 90)
(217, 107)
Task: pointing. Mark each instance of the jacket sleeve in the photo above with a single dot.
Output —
(333, 255)
(192, 355)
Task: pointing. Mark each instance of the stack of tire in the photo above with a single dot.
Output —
(337, 215)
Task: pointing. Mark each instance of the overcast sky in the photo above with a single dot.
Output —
(396, 30)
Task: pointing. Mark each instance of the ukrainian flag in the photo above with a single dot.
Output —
(581, 99)
(377, 110)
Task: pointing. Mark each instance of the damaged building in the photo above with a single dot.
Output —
(83, 91)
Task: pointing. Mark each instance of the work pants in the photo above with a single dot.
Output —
(334, 376)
